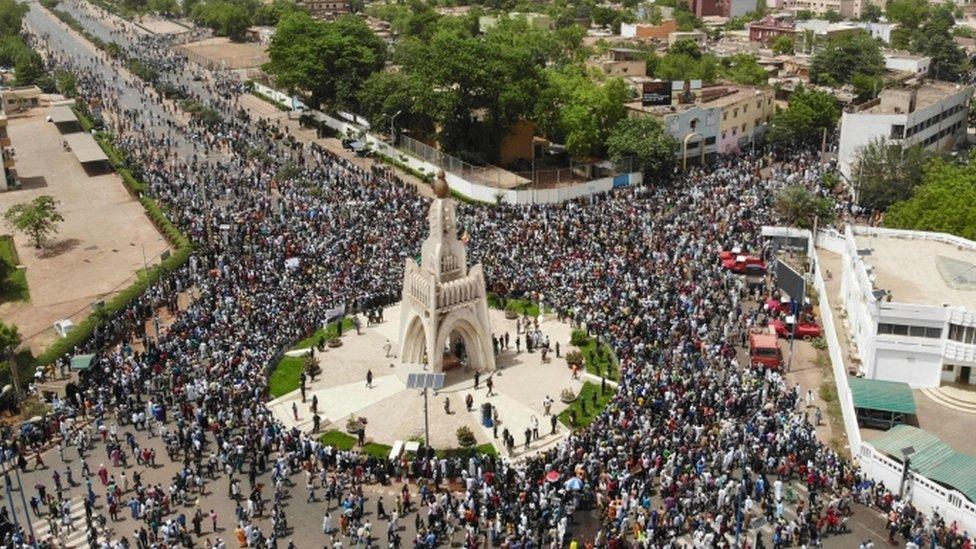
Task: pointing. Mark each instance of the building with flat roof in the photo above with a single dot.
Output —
(707, 121)
(721, 8)
(325, 9)
(932, 114)
(910, 301)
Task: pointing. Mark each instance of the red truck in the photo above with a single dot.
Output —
(764, 350)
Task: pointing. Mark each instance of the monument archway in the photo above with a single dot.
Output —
(462, 326)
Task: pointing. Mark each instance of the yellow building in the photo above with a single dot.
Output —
(742, 112)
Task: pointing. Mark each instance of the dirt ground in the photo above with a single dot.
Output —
(158, 25)
(221, 51)
(101, 244)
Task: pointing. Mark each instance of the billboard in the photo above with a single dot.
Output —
(656, 93)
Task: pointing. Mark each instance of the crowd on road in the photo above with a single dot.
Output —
(693, 446)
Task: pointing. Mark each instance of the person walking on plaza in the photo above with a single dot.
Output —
(490, 384)
(547, 405)
(369, 379)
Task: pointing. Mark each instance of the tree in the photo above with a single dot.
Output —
(230, 18)
(797, 206)
(934, 39)
(742, 68)
(886, 173)
(578, 108)
(833, 16)
(644, 139)
(872, 13)
(67, 83)
(11, 16)
(944, 202)
(803, 15)
(783, 45)
(845, 56)
(907, 13)
(9, 337)
(37, 219)
(803, 121)
(328, 61)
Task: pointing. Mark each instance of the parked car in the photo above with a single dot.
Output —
(764, 351)
(738, 264)
(804, 330)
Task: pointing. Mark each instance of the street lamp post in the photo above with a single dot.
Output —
(392, 122)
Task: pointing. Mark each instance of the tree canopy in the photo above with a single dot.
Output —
(327, 60)
(934, 39)
(845, 57)
(783, 45)
(230, 18)
(944, 202)
(803, 121)
(38, 219)
(886, 173)
(644, 139)
(797, 206)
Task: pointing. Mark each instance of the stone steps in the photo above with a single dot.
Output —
(944, 398)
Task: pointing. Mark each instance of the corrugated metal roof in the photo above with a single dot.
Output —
(893, 440)
(959, 472)
(886, 396)
(931, 458)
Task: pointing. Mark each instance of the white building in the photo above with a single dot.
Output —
(932, 115)
(910, 301)
(917, 65)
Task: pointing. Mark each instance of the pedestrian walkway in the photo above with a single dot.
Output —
(73, 534)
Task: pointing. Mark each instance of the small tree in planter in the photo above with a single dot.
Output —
(353, 425)
(574, 358)
(465, 438)
(567, 396)
(334, 342)
(312, 367)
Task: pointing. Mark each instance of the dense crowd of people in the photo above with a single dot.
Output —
(693, 446)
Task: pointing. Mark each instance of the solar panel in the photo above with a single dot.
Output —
(425, 381)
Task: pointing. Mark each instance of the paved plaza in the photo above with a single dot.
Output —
(521, 384)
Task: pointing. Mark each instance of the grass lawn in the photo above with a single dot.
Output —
(329, 333)
(586, 394)
(287, 374)
(521, 306)
(345, 441)
(599, 359)
(482, 449)
(14, 286)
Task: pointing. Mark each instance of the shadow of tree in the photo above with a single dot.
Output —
(58, 248)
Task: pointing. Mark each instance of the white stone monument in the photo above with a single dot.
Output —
(444, 303)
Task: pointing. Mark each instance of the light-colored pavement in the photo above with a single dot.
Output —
(394, 412)
(104, 240)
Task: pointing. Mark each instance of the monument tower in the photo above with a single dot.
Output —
(444, 307)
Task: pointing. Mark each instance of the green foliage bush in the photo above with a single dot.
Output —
(579, 338)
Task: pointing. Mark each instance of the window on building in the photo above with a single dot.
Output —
(948, 367)
(886, 328)
(709, 141)
(897, 131)
(725, 115)
(744, 128)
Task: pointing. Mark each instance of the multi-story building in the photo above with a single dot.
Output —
(847, 8)
(721, 8)
(325, 9)
(916, 65)
(647, 31)
(932, 114)
(622, 62)
(706, 121)
(910, 304)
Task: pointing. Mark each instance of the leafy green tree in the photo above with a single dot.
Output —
(907, 13)
(803, 121)
(643, 138)
(269, 14)
(797, 206)
(685, 61)
(164, 6)
(386, 93)
(782, 45)
(886, 173)
(230, 18)
(803, 15)
(845, 56)
(743, 68)
(28, 68)
(686, 46)
(578, 108)
(872, 13)
(934, 39)
(944, 202)
(9, 337)
(67, 83)
(328, 61)
(38, 219)
(11, 16)
(833, 16)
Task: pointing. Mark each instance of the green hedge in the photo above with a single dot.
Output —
(120, 301)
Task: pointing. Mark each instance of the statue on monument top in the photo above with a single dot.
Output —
(441, 190)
